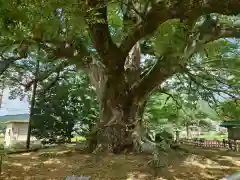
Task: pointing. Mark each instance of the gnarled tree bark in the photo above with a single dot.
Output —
(121, 110)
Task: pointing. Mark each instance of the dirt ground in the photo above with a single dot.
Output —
(57, 163)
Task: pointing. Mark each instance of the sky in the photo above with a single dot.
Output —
(12, 107)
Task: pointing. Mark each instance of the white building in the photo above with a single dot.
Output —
(16, 132)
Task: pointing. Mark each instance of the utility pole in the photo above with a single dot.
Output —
(1, 93)
(32, 105)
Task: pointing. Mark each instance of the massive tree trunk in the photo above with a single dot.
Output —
(119, 127)
(121, 110)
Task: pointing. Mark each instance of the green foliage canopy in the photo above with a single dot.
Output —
(67, 107)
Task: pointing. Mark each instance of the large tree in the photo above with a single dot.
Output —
(70, 102)
(108, 38)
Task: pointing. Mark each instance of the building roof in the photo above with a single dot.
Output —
(18, 121)
(230, 124)
(14, 118)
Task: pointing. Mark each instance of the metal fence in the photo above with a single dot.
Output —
(227, 144)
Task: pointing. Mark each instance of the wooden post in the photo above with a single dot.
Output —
(235, 145)
(224, 143)
(229, 143)
(2, 153)
(32, 105)
(177, 136)
(1, 94)
(1, 164)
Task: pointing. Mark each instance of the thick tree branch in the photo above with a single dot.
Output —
(164, 68)
(210, 31)
(18, 54)
(185, 9)
(153, 18)
(171, 64)
(228, 30)
(72, 49)
(52, 83)
(6, 62)
(77, 54)
(101, 38)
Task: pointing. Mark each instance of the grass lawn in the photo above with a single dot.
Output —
(1, 139)
(213, 136)
(57, 163)
(78, 138)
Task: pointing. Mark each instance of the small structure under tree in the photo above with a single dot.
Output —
(16, 128)
(233, 128)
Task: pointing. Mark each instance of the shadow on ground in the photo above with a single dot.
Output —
(57, 163)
